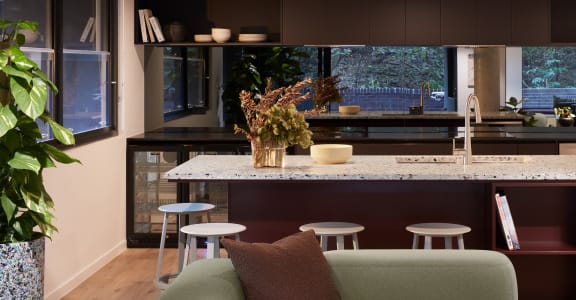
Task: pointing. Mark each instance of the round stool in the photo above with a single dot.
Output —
(337, 229)
(212, 232)
(445, 230)
(182, 210)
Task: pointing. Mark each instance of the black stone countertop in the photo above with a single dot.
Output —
(184, 135)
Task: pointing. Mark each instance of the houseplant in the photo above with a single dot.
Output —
(274, 123)
(326, 91)
(25, 214)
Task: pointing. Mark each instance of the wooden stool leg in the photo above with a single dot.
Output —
(324, 243)
(460, 242)
(355, 241)
(415, 241)
(427, 242)
(339, 242)
(186, 251)
(208, 217)
(448, 242)
(237, 236)
(181, 241)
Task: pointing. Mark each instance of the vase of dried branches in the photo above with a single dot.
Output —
(268, 155)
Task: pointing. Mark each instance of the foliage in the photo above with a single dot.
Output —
(549, 67)
(273, 117)
(564, 112)
(251, 65)
(327, 90)
(25, 203)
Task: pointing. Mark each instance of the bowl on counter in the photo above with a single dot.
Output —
(349, 109)
(331, 153)
(221, 35)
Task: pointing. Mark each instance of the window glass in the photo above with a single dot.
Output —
(33, 10)
(389, 78)
(85, 88)
(196, 78)
(548, 78)
(173, 84)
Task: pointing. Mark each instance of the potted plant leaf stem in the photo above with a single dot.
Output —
(25, 205)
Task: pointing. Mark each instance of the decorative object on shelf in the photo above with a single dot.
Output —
(564, 115)
(326, 91)
(530, 118)
(203, 38)
(274, 123)
(221, 35)
(252, 37)
(175, 32)
(25, 214)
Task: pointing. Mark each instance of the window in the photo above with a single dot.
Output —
(548, 78)
(185, 83)
(73, 47)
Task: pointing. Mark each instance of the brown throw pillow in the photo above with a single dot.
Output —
(291, 268)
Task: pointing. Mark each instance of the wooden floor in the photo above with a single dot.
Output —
(128, 276)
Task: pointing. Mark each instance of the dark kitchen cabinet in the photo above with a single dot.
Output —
(199, 16)
(458, 22)
(387, 22)
(562, 25)
(325, 22)
(530, 23)
(492, 22)
(423, 19)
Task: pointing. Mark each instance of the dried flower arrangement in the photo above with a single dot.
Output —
(273, 118)
(327, 90)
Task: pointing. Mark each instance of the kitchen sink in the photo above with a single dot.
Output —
(459, 159)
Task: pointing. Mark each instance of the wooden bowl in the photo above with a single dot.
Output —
(331, 153)
(349, 109)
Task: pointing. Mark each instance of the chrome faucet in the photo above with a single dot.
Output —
(425, 85)
(467, 138)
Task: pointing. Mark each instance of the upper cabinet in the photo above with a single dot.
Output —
(530, 23)
(371, 22)
(325, 22)
(200, 16)
(423, 19)
(387, 22)
(563, 27)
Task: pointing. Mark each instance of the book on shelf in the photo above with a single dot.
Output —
(87, 29)
(143, 30)
(147, 16)
(157, 29)
(507, 222)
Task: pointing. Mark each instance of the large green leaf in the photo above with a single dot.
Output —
(25, 162)
(13, 72)
(62, 134)
(7, 119)
(20, 60)
(29, 104)
(8, 206)
(57, 154)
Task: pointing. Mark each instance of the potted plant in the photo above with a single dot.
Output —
(25, 214)
(274, 122)
(327, 91)
(564, 115)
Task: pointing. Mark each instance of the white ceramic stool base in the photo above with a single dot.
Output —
(212, 232)
(182, 210)
(336, 229)
(445, 230)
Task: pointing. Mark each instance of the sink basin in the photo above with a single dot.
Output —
(458, 159)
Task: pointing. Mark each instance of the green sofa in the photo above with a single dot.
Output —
(375, 274)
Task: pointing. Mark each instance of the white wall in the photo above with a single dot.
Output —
(90, 198)
(513, 72)
(463, 65)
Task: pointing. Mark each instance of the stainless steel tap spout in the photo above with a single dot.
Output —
(467, 137)
(425, 85)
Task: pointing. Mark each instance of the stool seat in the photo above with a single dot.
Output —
(212, 232)
(445, 230)
(182, 210)
(337, 229)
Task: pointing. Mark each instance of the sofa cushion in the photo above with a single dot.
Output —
(291, 268)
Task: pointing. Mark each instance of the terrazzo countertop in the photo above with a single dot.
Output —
(369, 167)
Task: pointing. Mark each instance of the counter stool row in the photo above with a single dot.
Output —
(214, 231)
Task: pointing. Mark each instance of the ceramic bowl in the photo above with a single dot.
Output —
(221, 35)
(349, 109)
(203, 38)
(331, 153)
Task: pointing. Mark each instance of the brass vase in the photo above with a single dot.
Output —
(268, 154)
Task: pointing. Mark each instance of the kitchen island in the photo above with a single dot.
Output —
(386, 196)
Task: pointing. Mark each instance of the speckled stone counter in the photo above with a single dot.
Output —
(300, 167)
